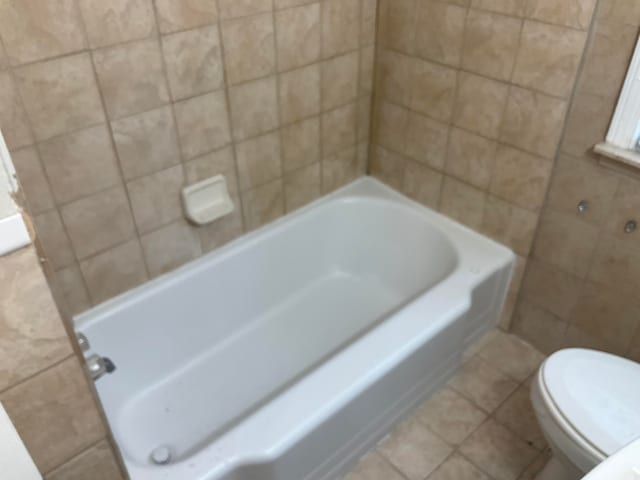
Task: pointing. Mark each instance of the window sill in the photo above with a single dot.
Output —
(620, 159)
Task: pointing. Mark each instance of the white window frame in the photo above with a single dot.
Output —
(624, 132)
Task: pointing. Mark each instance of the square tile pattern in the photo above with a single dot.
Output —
(480, 426)
(128, 101)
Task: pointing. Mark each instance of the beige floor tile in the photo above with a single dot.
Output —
(536, 466)
(415, 450)
(498, 452)
(374, 467)
(483, 384)
(451, 416)
(458, 468)
(511, 356)
(517, 414)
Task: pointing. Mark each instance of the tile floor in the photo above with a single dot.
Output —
(480, 426)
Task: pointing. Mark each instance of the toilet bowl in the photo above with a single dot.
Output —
(588, 406)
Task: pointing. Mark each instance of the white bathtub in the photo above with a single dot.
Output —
(290, 352)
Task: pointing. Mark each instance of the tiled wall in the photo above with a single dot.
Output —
(111, 107)
(581, 286)
(42, 386)
(471, 101)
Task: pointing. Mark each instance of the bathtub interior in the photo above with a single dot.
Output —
(205, 347)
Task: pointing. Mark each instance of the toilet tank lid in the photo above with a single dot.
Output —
(598, 394)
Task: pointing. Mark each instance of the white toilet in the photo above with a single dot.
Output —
(588, 407)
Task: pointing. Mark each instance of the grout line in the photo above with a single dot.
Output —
(84, 450)
(39, 372)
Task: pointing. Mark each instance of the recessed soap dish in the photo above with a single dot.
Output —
(207, 201)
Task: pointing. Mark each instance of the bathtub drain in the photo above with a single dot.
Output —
(161, 455)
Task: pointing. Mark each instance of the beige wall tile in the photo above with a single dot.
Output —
(520, 178)
(300, 144)
(365, 107)
(223, 230)
(339, 129)
(587, 123)
(60, 399)
(339, 169)
(70, 283)
(551, 288)
(624, 206)
(170, 247)
(616, 262)
(254, 108)
(463, 202)
(394, 72)
(38, 29)
(98, 222)
(390, 127)
(575, 180)
(565, 242)
(533, 122)
(471, 158)
(302, 186)
(440, 32)
(240, 8)
(32, 180)
(368, 22)
(33, 337)
(480, 104)
(398, 24)
(54, 238)
(549, 57)
(47, 89)
(175, 16)
(608, 58)
(114, 271)
(422, 184)
(340, 26)
(249, 48)
(220, 162)
(194, 62)
(507, 7)
(298, 36)
(388, 167)
(620, 11)
(13, 118)
(433, 89)
(604, 314)
(203, 124)
(339, 80)
(4, 60)
(539, 326)
(572, 13)
(155, 199)
(131, 78)
(146, 143)
(263, 204)
(97, 463)
(259, 160)
(491, 44)
(426, 140)
(509, 224)
(300, 93)
(367, 68)
(80, 163)
(117, 21)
